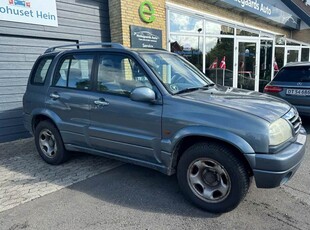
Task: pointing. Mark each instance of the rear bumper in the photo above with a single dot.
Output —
(273, 170)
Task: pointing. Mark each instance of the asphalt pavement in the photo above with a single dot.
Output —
(132, 197)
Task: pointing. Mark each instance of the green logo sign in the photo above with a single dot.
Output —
(147, 12)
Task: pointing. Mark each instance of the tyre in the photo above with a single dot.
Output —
(212, 178)
(49, 143)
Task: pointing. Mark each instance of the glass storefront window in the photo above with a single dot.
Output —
(246, 33)
(231, 51)
(219, 60)
(190, 47)
(279, 59)
(292, 56)
(185, 23)
(305, 54)
(247, 65)
(290, 43)
(280, 40)
(265, 64)
(213, 28)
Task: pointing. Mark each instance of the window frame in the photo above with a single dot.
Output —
(35, 69)
(125, 55)
(69, 56)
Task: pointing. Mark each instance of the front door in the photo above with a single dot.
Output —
(247, 65)
(120, 126)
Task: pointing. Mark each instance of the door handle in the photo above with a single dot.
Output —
(101, 102)
(54, 96)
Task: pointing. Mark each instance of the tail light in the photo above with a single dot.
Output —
(272, 89)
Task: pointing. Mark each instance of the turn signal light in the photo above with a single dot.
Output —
(272, 89)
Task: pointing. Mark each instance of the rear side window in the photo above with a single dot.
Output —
(75, 72)
(294, 74)
(39, 75)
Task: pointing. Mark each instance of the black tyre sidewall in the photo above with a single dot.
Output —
(236, 171)
(61, 155)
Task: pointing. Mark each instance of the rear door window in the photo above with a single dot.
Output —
(294, 74)
(75, 72)
(39, 75)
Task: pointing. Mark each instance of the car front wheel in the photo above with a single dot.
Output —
(212, 178)
(49, 143)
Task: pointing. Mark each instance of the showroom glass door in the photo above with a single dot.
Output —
(247, 64)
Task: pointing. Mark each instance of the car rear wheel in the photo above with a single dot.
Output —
(49, 143)
(212, 178)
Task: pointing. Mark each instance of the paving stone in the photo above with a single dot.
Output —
(24, 176)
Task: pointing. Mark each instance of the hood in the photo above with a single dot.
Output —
(262, 105)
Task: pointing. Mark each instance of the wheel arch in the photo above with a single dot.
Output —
(236, 144)
(42, 115)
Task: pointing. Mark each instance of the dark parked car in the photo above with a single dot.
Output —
(292, 83)
(153, 108)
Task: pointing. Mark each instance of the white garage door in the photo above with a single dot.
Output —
(17, 55)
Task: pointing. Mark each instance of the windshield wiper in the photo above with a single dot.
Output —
(194, 89)
(187, 90)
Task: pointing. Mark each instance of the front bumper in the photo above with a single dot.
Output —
(273, 170)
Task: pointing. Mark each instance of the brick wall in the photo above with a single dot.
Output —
(303, 35)
(124, 13)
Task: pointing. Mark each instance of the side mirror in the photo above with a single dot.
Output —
(143, 94)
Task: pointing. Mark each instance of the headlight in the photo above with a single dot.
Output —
(279, 132)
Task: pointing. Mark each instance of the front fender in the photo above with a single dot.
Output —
(169, 145)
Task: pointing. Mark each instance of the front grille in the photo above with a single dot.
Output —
(293, 117)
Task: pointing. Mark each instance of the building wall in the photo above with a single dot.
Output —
(21, 44)
(302, 35)
(124, 13)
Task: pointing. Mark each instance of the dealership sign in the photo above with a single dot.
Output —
(142, 37)
(264, 9)
(29, 11)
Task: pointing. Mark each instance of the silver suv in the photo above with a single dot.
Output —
(155, 109)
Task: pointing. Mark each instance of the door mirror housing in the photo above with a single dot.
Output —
(143, 94)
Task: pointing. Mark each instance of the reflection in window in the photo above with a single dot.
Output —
(265, 64)
(290, 43)
(120, 74)
(75, 72)
(219, 60)
(279, 59)
(246, 33)
(305, 54)
(185, 23)
(213, 28)
(187, 46)
(292, 56)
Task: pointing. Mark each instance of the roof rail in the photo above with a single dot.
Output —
(77, 45)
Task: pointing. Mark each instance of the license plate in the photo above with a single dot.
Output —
(298, 92)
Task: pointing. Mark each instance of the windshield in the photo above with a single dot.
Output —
(177, 74)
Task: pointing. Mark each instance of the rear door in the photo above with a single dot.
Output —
(68, 97)
(119, 125)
